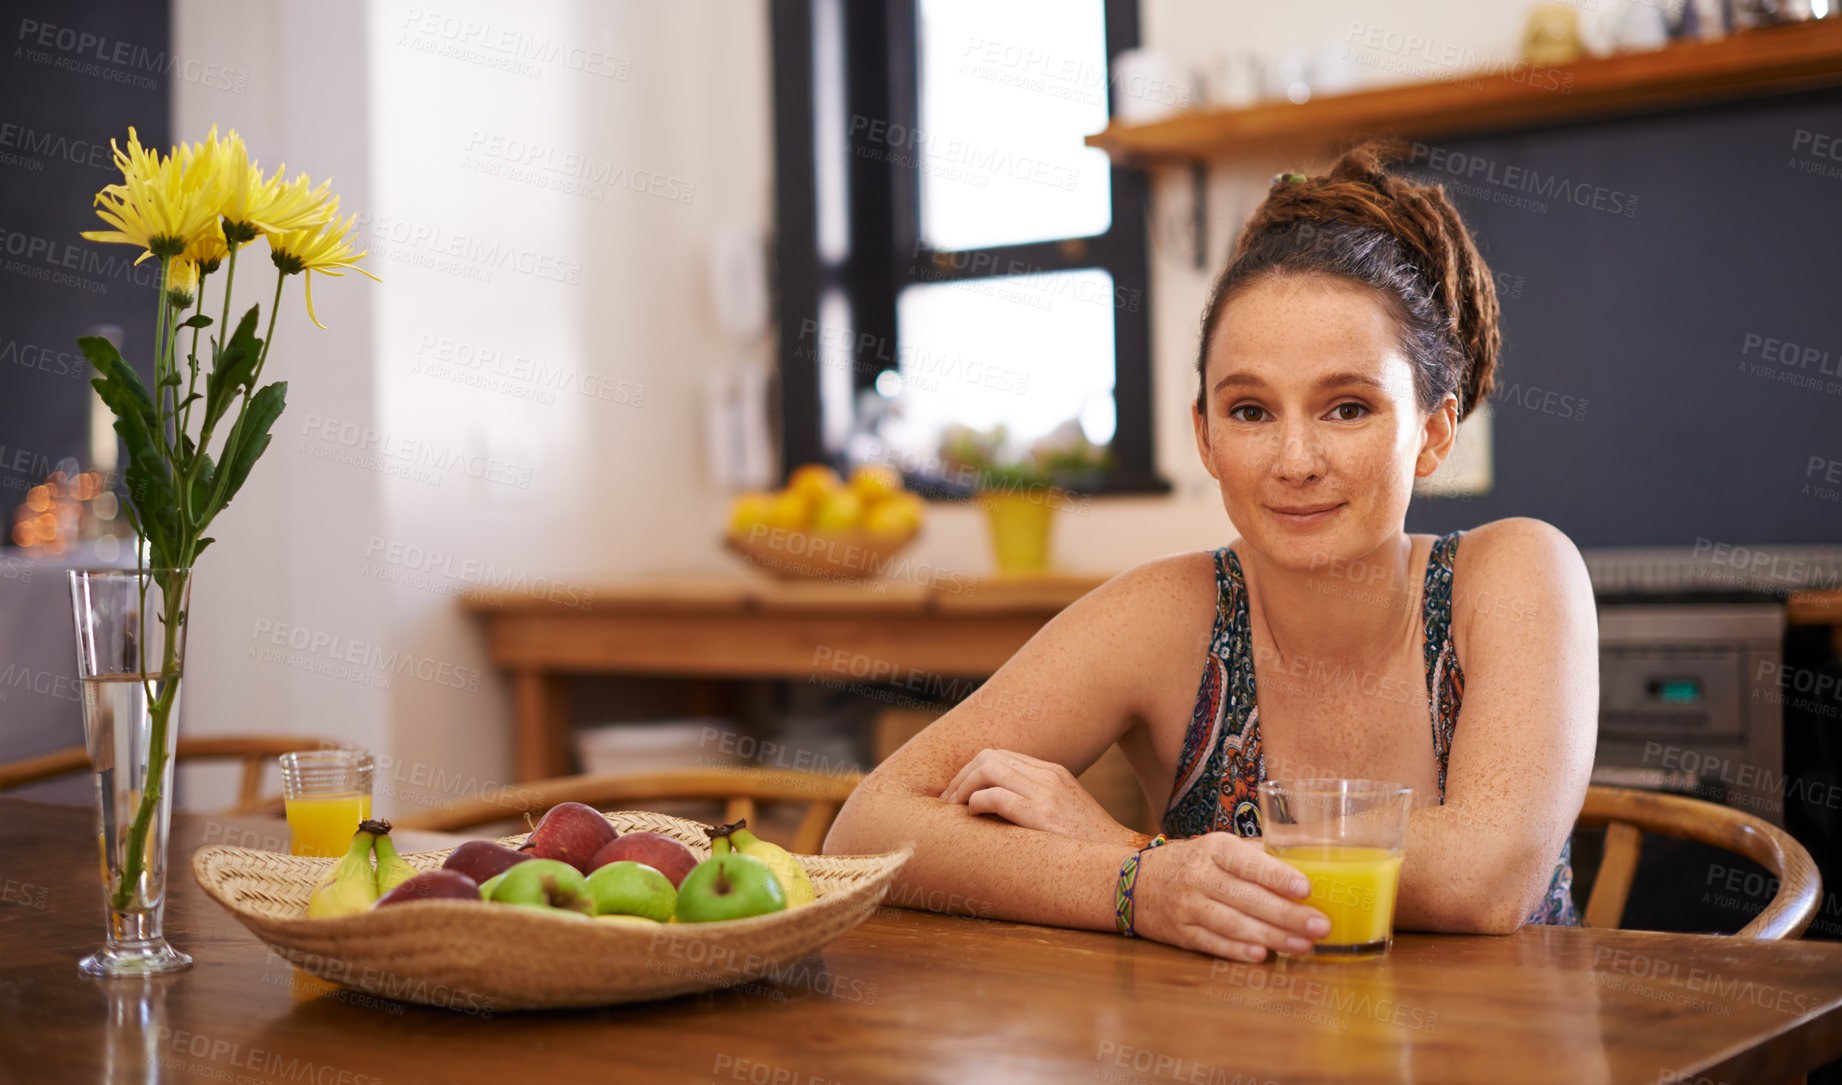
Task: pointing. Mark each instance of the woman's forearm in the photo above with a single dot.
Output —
(973, 865)
(1462, 877)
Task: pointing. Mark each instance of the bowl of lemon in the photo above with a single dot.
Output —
(823, 527)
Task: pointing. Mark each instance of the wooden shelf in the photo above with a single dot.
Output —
(1769, 60)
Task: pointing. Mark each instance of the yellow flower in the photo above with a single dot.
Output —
(255, 205)
(326, 249)
(181, 282)
(160, 204)
(208, 250)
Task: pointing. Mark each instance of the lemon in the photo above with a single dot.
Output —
(748, 511)
(896, 516)
(873, 482)
(839, 510)
(813, 480)
(792, 510)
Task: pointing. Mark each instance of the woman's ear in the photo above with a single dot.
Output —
(1201, 425)
(1436, 440)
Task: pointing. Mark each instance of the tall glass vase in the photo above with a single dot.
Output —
(130, 655)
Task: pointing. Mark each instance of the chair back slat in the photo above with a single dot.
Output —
(1612, 887)
(256, 752)
(740, 808)
(1800, 887)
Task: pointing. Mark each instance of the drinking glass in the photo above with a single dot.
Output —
(1348, 837)
(327, 792)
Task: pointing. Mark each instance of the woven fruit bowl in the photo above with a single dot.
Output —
(480, 958)
(808, 555)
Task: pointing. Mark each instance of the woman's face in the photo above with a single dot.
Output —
(1310, 423)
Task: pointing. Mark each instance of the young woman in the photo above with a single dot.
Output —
(1353, 330)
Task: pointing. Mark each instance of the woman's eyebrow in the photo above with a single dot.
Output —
(1330, 380)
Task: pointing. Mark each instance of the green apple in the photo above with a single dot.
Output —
(492, 883)
(545, 883)
(628, 921)
(732, 886)
(629, 888)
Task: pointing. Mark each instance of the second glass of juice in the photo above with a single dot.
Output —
(327, 792)
(1348, 837)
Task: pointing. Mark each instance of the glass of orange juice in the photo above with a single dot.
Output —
(327, 792)
(1348, 837)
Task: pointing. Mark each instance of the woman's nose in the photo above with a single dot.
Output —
(1300, 458)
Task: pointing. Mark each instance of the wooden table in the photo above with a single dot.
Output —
(729, 626)
(914, 997)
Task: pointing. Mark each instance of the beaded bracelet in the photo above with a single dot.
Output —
(1128, 880)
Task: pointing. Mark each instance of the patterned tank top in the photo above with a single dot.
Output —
(1222, 764)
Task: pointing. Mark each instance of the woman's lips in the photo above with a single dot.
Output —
(1303, 515)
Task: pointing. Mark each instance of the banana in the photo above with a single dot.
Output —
(392, 871)
(787, 871)
(351, 887)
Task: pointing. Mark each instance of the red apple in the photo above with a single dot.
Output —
(571, 832)
(433, 885)
(482, 859)
(662, 853)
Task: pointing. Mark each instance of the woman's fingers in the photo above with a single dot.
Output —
(1207, 941)
(1234, 925)
(1248, 861)
(1003, 802)
(987, 768)
(1228, 872)
(1007, 767)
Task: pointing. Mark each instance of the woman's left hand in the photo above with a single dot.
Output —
(1035, 794)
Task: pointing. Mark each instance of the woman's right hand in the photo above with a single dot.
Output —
(1221, 894)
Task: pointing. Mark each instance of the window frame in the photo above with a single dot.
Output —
(885, 255)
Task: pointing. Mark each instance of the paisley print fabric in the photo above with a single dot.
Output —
(1221, 765)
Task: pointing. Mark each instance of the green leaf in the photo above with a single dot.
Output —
(150, 486)
(232, 368)
(196, 320)
(200, 548)
(201, 484)
(108, 362)
(249, 437)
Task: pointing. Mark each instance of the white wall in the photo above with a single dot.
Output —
(420, 114)
(546, 478)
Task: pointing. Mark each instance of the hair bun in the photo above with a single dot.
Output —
(1360, 189)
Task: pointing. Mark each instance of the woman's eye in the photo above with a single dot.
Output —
(1236, 413)
(1354, 411)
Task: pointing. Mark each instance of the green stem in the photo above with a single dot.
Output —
(185, 424)
(160, 709)
(268, 337)
(204, 437)
(236, 431)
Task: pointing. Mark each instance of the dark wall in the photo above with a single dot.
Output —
(72, 76)
(1651, 271)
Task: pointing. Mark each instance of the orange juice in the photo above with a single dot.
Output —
(323, 825)
(1354, 887)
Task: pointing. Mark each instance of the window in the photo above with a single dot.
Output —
(951, 252)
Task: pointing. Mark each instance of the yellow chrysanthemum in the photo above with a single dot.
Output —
(326, 249)
(160, 205)
(256, 205)
(208, 250)
(181, 282)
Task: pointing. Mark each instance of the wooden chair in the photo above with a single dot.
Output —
(257, 752)
(739, 789)
(1628, 814)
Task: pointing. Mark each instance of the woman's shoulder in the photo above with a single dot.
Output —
(1517, 568)
(1161, 598)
